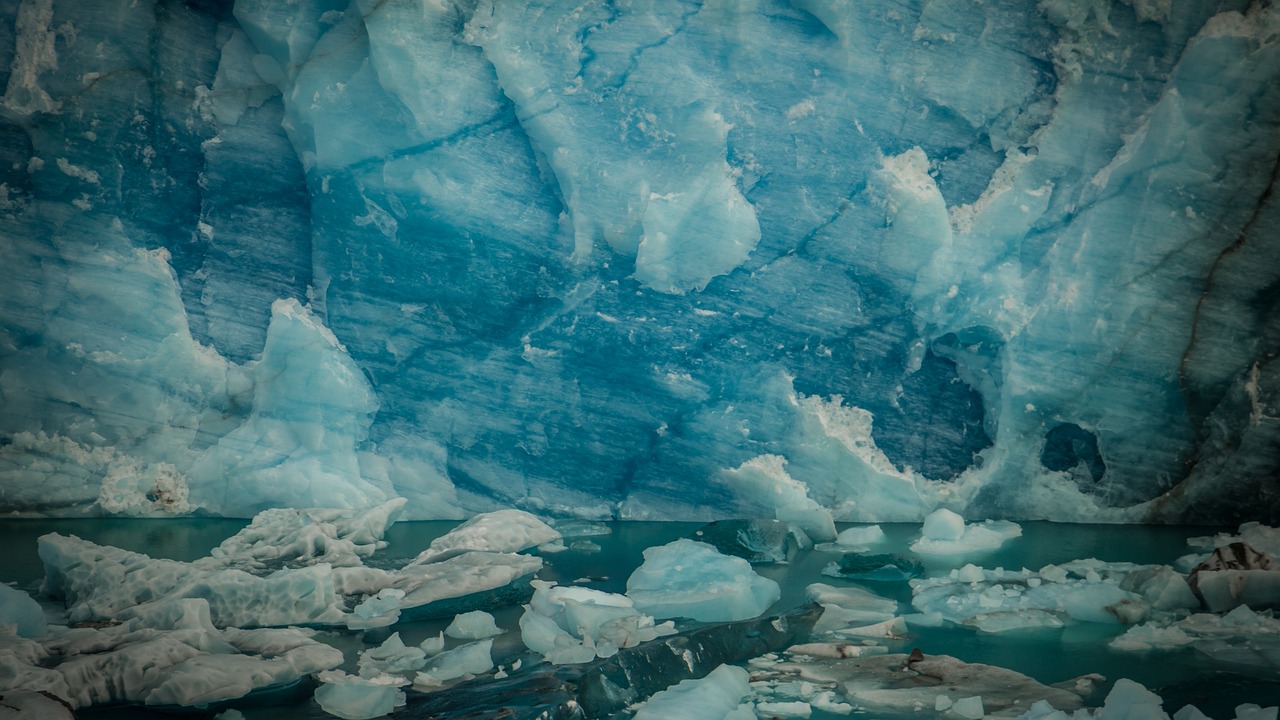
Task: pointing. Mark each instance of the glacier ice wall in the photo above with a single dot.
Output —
(641, 258)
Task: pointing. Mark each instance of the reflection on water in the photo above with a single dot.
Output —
(1049, 656)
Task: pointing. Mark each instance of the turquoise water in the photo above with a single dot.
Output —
(1049, 656)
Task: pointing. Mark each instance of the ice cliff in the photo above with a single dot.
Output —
(641, 259)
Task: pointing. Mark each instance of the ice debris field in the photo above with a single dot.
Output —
(296, 616)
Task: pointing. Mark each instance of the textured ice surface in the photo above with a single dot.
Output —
(574, 625)
(21, 611)
(358, 698)
(164, 654)
(649, 260)
(714, 697)
(502, 531)
(1080, 591)
(693, 580)
(288, 576)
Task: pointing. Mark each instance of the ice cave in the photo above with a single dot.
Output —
(706, 359)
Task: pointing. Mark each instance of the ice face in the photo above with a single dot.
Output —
(641, 260)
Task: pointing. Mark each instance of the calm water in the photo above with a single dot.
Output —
(1049, 656)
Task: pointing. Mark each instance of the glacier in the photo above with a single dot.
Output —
(641, 259)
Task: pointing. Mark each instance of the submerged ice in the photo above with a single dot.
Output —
(798, 260)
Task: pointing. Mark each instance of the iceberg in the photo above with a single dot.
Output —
(693, 580)
(794, 260)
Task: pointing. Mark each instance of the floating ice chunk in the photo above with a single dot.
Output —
(286, 537)
(1190, 712)
(692, 579)
(433, 645)
(99, 582)
(392, 657)
(470, 659)
(848, 608)
(376, 611)
(564, 623)
(503, 531)
(1129, 700)
(543, 635)
(580, 528)
(168, 653)
(942, 524)
(461, 575)
(1104, 603)
(1161, 586)
(845, 608)
(944, 535)
(357, 698)
(891, 628)
(713, 697)
(474, 625)
(756, 541)
(549, 599)
(1260, 537)
(22, 611)
(1236, 574)
(850, 598)
(861, 535)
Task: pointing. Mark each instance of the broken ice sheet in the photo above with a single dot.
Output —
(165, 654)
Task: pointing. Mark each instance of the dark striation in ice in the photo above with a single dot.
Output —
(603, 687)
(888, 568)
(590, 260)
(756, 541)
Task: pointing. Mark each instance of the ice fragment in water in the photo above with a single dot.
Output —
(690, 579)
(356, 698)
(714, 697)
(474, 625)
(756, 541)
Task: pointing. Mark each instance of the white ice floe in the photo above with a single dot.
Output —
(1082, 590)
(849, 608)
(162, 654)
(353, 697)
(251, 583)
(718, 696)
(392, 657)
(287, 537)
(945, 535)
(571, 625)
(503, 531)
(461, 662)
(474, 625)
(690, 579)
(855, 539)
